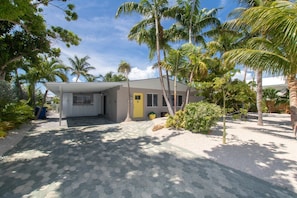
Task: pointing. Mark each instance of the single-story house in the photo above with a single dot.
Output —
(110, 99)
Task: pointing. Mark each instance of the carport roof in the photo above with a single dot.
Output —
(81, 87)
(96, 87)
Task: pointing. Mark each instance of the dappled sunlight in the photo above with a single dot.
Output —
(25, 155)
(256, 159)
(72, 142)
(50, 190)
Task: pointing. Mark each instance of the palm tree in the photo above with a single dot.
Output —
(197, 67)
(276, 51)
(80, 67)
(125, 69)
(50, 71)
(239, 11)
(191, 21)
(153, 11)
(43, 71)
(174, 62)
(111, 77)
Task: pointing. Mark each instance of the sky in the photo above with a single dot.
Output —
(104, 37)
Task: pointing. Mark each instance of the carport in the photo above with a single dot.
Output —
(60, 88)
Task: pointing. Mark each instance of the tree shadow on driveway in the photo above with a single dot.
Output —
(118, 161)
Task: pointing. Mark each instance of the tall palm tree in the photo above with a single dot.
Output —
(125, 69)
(238, 11)
(153, 12)
(276, 52)
(80, 67)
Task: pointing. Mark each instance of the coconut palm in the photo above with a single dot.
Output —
(191, 21)
(80, 67)
(153, 12)
(238, 11)
(125, 69)
(276, 51)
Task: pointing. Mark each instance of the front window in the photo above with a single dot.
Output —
(82, 99)
(179, 100)
(152, 100)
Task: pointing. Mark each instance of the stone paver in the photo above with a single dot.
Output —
(118, 160)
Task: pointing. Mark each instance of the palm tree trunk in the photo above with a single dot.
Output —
(259, 97)
(175, 87)
(159, 61)
(128, 118)
(167, 78)
(292, 86)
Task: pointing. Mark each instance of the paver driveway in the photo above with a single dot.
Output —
(117, 160)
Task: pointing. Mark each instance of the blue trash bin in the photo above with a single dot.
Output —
(42, 114)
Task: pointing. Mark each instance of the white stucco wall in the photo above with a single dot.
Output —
(70, 110)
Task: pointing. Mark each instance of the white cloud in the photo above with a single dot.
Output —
(137, 73)
(240, 75)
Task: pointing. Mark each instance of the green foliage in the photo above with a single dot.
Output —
(240, 97)
(6, 126)
(201, 116)
(177, 121)
(270, 94)
(16, 113)
(3, 134)
(7, 94)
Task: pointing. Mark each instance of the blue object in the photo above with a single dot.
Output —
(42, 114)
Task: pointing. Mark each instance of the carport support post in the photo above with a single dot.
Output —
(61, 106)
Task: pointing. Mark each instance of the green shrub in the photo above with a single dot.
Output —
(3, 134)
(201, 116)
(17, 113)
(6, 126)
(177, 121)
(7, 94)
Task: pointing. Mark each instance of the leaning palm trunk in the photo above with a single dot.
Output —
(259, 97)
(292, 85)
(187, 98)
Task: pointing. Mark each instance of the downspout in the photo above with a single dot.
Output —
(61, 106)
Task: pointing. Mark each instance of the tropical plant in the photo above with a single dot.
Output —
(125, 69)
(192, 21)
(111, 77)
(153, 11)
(24, 33)
(201, 116)
(7, 94)
(275, 52)
(80, 67)
(176, 121)
(174, 62)
(51, 70)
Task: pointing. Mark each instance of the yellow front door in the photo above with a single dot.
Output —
(137, 105)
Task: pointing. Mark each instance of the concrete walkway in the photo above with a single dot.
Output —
(117, 160)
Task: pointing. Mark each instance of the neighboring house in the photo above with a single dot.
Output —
(110, 99)
(277, 82)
